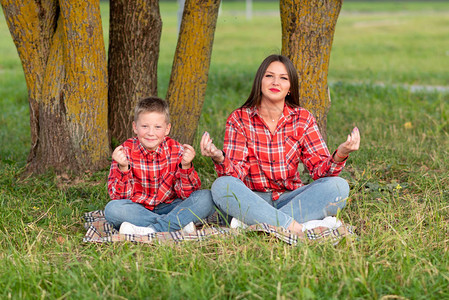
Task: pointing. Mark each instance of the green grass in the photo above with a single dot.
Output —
(389, 42)
(399, 199)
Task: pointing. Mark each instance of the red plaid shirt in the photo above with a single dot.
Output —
(154, 177)
(268, 162)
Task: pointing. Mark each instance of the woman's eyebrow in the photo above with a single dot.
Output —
(286, 74)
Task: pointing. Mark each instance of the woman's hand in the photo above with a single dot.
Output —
(210, 150)
(352, 144)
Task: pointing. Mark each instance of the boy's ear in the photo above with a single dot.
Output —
(134, 127)
(167, 130)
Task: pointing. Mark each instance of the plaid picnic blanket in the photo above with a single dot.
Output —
(100, 231)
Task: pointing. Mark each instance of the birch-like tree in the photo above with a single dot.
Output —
(308, 28)
(135, 32)
(190, 69)
(134, 35)
(61, 48)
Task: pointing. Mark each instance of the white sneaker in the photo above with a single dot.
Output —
(236, 223)
(189, 228)
(128, 228)
(329, 222)
(332, 222)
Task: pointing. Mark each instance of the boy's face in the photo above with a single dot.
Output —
(151, 129)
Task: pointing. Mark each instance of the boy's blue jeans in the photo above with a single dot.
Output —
(314, 201)
(165, 217)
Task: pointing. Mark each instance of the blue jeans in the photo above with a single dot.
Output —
(322, 198)
(164, 217)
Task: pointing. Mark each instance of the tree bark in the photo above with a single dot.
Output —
(190, 69)
(61, 48)
(308, 28)
(134, 38)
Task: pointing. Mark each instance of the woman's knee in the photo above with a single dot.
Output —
(341, 186)
(222, 185)
(337, 191)
(341, 189)
(334, 185)
(228, 191)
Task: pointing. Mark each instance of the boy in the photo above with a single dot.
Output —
(152, 182)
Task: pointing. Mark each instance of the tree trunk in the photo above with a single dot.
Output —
(308, 28)
(190, 69)
(134, 37)
(61, 48)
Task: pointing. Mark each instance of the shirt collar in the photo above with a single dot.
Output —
(288, 111)
(252, 111)
(147, 152)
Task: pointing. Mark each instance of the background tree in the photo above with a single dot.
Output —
(134, 35)
(190, 70)
(307, 33)
(60, 45)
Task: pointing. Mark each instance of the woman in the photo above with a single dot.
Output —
(265, 141)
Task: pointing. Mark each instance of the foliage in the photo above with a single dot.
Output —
(398, 202)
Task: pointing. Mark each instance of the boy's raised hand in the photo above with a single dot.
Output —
(187, 156)
(119, 155)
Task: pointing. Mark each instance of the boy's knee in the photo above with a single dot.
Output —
(110, 212)
(109, 208)
(203, 196)
(112, 208)
(200, 203)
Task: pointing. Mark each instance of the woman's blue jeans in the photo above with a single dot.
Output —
(317, 200)
(165, 217)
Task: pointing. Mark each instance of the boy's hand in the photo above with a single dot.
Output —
(188, 156)
(119, 156)
(209, 149)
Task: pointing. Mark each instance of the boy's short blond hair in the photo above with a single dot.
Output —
(152, 104)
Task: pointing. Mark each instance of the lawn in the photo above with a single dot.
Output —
(399, 200)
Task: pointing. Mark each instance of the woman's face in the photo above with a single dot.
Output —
(275, 83)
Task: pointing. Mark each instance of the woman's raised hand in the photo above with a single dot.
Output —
(209, 149)
(352, 144)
